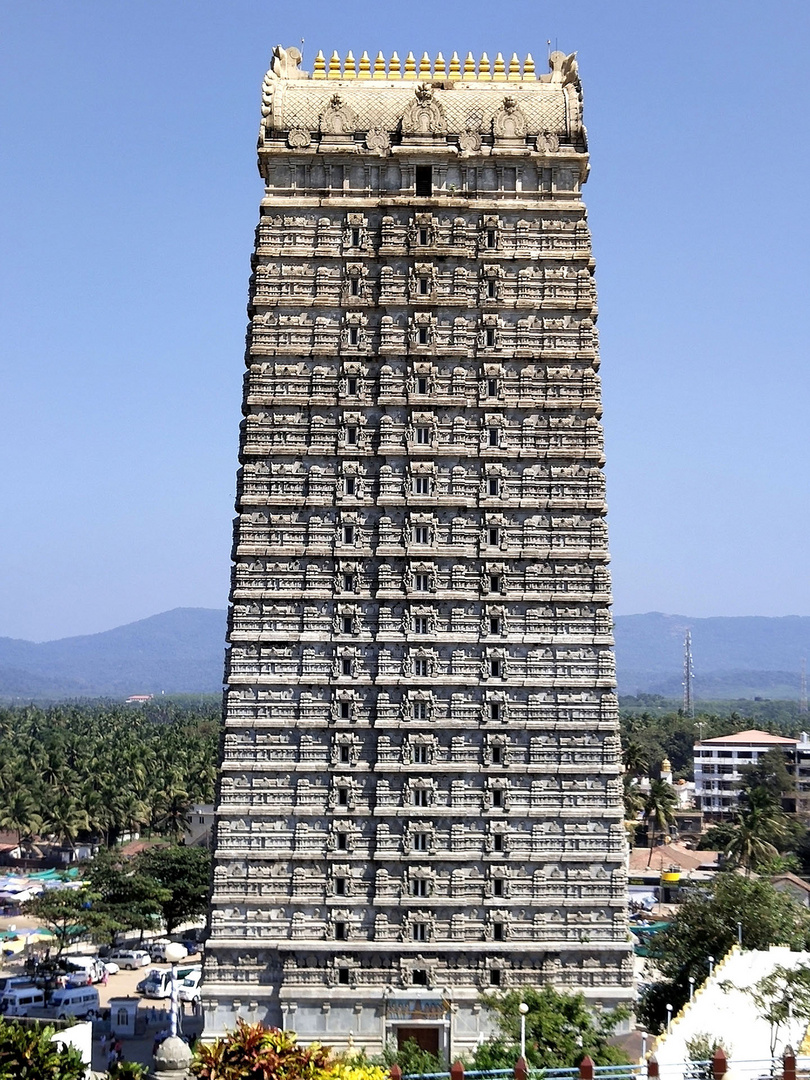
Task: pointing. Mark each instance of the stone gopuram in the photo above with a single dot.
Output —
(420, 792)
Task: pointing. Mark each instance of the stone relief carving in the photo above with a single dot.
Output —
(378, 140)
(509, 122)
(298, 139)
(338, 118)
(424, 115)
(548, 143)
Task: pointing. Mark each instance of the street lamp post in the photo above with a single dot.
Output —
(739, 934)
(711, 966)
(691, 987)
(523, 1008)
(669, 1017)
(174, 954)
(644, 1038)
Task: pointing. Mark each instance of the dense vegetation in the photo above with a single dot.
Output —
(28, 1053)
(101, 770)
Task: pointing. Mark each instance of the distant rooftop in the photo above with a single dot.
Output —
(750, 738)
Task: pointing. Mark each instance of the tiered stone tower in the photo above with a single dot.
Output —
(420, 787)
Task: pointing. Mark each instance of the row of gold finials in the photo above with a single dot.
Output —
(466, 71)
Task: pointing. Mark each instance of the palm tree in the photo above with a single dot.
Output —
(659, 810)
(759, 825)
(634, 757)
(19, 814)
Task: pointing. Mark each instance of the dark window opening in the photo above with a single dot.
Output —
(419, 977)
(351, 484)
(490, 336)
(345, 710)
(497, 798)
(424, 179)
(495, 668)
(491, 291)
(355, 288)
(340, 931)
(423, 335)
(497, 886)
(493, 535)
(354, 334)
(494, 582)
(345, 751)
(352, 385)
(424, 286)
(492, 238)
(420, 841)
(348, 582)
(419, 931)
(343, 796)
(342, 841)
(346, 665)
(340, 886)
(494, 710)
(493, 436)
(355, 238)
(494, 486)
(495, 624)
(492, 387)
(423, 236)
(497, 931)
(497, 842)
(348, 534)
(495, 977)
(420, 667)
(419, 887)
(420, 797)
(422, 384)
(421, 625)
(347, 624)
(343, 976)
(497, 754)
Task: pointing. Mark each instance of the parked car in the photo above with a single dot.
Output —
(90, 966)
(190, 986)
(157, 984)
(157, 949)
(130, 959)
(19, 1000)
(80, 1001)
(110, 967)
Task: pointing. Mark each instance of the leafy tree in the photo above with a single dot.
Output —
(184, 873)
(411, 1058)
(700, 1050)
(29, 1053)
(18, 813)
(130, 900)
(634, 758)
(706, 925)
(659, 810)
(67, 913)
(560, 1031)
(717, 838)
(769, 772)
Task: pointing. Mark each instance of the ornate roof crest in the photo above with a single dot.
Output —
(424, 115)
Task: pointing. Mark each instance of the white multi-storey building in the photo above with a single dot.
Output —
(420, 791)
(719, 765)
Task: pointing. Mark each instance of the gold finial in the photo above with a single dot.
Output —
(439, 69)
(319, 66)
(483, 68)
(349, 66)
(499, 74)
(528, 69)
(410, 66)
(469, 67)
(455, 66)
(334, 66)
(514, 69)
(394, 68)
(365, 66)
(379, 67)
(424, 66)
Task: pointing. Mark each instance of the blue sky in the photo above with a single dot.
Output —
(128, 198)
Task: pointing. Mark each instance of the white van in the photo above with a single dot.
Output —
(19, 1000)
(158, 984)
(91, 966)
(190, 986)
(81, 1001)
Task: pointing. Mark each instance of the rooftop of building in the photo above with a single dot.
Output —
(752, 737)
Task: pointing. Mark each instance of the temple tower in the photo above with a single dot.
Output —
(420, 792)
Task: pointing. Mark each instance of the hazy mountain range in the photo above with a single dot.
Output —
(182, 651)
